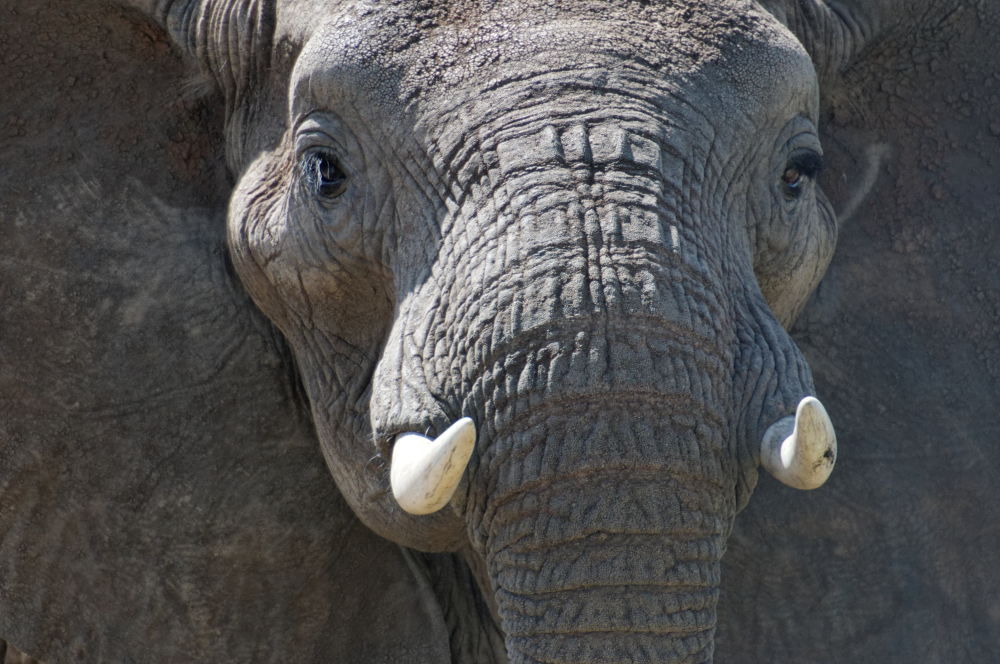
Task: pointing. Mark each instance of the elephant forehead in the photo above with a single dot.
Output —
(399, 59)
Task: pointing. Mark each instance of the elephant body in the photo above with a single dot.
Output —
(517, 238)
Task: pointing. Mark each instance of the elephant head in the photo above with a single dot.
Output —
(580, 225)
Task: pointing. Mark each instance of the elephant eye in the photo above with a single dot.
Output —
(801, 166)
(792, 177)
(324, 175)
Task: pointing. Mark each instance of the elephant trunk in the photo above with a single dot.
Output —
(611, 553)
(596, 320)
(628, 374)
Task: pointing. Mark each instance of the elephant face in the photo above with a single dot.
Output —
(582, 225)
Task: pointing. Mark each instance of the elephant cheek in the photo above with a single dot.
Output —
(787, 280)
(257, 236)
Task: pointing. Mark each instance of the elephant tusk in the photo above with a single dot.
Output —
(425, 472)
(800, 450)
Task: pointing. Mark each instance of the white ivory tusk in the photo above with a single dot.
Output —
(425, 472)
(800, 450)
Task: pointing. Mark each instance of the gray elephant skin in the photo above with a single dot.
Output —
(247, 244)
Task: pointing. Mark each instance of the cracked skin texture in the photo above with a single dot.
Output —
(893, 561)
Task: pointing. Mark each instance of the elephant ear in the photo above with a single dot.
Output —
(232, 42)
(162, 492)
(833, 32)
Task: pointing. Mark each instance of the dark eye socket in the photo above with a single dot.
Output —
(324, 175)
(802, 165)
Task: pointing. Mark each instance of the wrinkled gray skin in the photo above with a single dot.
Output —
(512, 206)
(585, 251)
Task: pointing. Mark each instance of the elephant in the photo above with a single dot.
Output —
(583, 226)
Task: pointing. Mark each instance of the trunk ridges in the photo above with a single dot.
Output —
(602, 558)
(678, 464)
(613, 648)
(605, 547)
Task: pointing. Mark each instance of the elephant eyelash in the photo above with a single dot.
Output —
(323, 175)
(805, 164)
